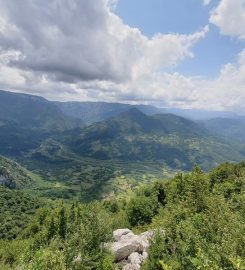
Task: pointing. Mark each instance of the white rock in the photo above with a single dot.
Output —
(147, 235)
(131, 267)
(128, 246)
(117, 235)
(135, 258)
(123, 248)
(144, 255)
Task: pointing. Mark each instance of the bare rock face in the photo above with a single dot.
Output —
(130, 248)
(118, 234)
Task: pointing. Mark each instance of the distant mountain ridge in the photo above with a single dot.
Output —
(90, 112)
(178, 142)
(26, 120)
(34, 112)
(230, 128)
(30, 124)
(134, 141)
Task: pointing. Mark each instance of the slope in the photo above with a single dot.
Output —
(177, 142)
(26, 120)
(14, 176)
(33, 112)
(91, 112)
(230, 128)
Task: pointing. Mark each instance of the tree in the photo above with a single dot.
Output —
(62, 223)
(51, 229)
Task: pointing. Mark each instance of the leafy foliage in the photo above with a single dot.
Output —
(17, 209)
(204, 228)
(199, 220)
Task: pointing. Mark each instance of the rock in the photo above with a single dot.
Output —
(117, 235)
(135, 258)
(144, 255)
(147, 235)
(130, 248)
(131, 267)
(123, 248)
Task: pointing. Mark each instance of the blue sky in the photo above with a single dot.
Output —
(168, 53)
(184, 17)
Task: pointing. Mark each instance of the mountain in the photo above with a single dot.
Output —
(90, 112)
(26, 120)
(230, 128)
(127, 147)
(33, 112)
(199, 114)
(14, 176)
(51, 151)
(175, 141)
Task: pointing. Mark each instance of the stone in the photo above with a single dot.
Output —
(123, 248)
(129, 247)
(131, 267)
(144, 255)
(147, 235)
(135, 258)
(118, 234)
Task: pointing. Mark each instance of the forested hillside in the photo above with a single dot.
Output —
(77, 184)
(233, 129)
(122, 135)
(26, 120)
(13, 176)
(91, 112)
(90, 162)
(177, 142)
(202, 217)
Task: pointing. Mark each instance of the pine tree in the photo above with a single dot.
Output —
(62, 223)
(51, 229)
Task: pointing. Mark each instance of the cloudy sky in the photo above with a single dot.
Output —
(187, 54)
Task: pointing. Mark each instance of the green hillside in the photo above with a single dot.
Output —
(230, 128)
(14, 176)
(25, 121)
(105, 157)
(90, 112)
(33, 112)
(175, 141)
(202, 216)
(17, 210)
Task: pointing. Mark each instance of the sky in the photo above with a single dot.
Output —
(168, 53)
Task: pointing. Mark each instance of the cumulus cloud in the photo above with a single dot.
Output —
(81, 50)
(80, 40)
(229, 16)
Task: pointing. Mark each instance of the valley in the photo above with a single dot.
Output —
(66, 183)
(129, 146)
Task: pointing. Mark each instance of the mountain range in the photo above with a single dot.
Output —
(90, 112)
(84, 146)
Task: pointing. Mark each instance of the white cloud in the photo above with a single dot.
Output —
(74, 41)
(226, 92)
(80, 50)
(206, 2)
(112, 4)
(229, 16)
(79, 40)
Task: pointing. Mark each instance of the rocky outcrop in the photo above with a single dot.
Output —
(129, 249)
